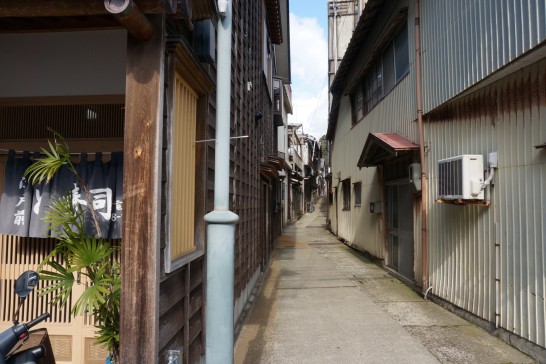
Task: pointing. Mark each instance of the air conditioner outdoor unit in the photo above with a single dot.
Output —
(461, 178)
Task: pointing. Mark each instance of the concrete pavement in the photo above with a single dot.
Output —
(322, 302)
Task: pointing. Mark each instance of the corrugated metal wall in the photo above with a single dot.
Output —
(464, 41)
(396, 113)
(509, 117)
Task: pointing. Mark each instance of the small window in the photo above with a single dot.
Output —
(357, 101)
(277, 93)
(346, 185)
(358, 193)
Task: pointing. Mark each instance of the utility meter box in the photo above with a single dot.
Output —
(376, 207)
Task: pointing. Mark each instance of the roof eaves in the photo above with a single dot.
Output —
(274, 24)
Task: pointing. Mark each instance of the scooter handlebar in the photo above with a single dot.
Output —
(37, 320)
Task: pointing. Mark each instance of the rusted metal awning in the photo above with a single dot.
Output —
(381, 147)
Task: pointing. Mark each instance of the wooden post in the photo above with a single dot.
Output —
(141, 197)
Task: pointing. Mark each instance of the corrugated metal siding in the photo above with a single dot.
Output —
(464, 41)
(508, 117)
(396, 113)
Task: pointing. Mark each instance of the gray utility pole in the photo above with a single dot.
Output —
(221, 221)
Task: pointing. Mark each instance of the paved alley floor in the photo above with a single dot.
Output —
(322, 302)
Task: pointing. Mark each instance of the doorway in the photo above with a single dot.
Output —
(400, 228)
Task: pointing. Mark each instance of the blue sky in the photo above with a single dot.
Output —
(317, 9)
(309, 59)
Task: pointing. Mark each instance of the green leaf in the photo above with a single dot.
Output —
(47, 166)
(91, 299)
(61, 283)
(89, 252)
(65, 219)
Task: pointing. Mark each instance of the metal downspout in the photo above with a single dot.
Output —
(334, 6)
(221, 221)
(418, 85)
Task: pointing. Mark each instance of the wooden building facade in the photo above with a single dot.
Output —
(140, 80)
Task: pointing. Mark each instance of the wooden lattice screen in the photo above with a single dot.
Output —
(18, 255)
(183, 160)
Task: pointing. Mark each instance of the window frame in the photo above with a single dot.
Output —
(357, 105)
(346, 190)
(357, 194)
(180, 64)
(372, 85)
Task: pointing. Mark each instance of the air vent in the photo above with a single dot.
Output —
(461, 178)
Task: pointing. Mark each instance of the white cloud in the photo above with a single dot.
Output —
(312, 112)
(309, 60)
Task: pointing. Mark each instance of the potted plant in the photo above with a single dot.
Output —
(79, 257)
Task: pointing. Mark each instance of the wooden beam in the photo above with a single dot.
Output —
(60, 8)
(127, 14)
(139, 321)
(188, 66)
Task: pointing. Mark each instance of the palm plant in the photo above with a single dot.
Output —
(77, 254)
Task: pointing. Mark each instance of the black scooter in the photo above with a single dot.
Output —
(18, 345)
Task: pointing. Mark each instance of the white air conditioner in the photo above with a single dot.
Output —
(461, 178)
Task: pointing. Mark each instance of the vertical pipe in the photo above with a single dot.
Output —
(359, 10)
(497, 285)
(223, 112)
(221, 221)
(418, 85)
(334, 40)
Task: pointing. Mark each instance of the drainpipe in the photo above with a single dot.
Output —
(418, 85)
(497, 281)
(334, 40)
(221, 221)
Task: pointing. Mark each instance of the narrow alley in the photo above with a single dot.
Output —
(322, 302)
